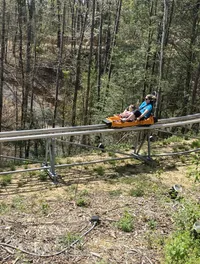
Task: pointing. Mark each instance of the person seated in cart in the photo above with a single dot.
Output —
(143, 112)
(128, 111)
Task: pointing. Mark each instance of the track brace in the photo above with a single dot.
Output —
(141, 137)
(50, 155)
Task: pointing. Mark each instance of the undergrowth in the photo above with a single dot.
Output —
(182, 247)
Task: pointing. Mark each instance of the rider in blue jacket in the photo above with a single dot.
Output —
(144, 111)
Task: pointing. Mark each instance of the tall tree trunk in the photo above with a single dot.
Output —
(2, 68)
(21, 63)
(161, 64)
(194, 104)
(31, 37)
(193, 37)
(89, 65)
(2, 60)
(116, 28)
(78, 69)
(99, 64)
(59, 66)
(73, 26)
(58, 24)
(31, 7)
(150, 34)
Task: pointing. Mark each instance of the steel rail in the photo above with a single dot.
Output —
(66, 165)
(49, 130)
(83, 128)
(87, 132)
(178, 118)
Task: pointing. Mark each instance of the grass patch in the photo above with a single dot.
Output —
(126, 223)
(43, 176)
(5, 180)
(82, 202)
(137, 191)
(3, 207)
(115, 192)
(182, 247)
(68, 239)
(99, 170)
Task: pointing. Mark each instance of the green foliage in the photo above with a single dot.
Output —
(82, 202)
(32, 173)
(112, 162)
(45, 207)
(138, 191)
(68, 239)
(195, 171)
(195, 144)
(84, 192)
(126, 223)
(111, 154)
(12, 167)
(5, 180)
(115, 192)
(188, 214)
(3, 207)
(18, 203)
(66, 74)
(182, 248)
(99, 170)
(43, 176)
(172, 139)
(152, 224)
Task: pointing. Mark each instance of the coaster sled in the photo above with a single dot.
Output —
(116, 122)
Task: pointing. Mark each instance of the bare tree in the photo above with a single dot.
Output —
(161, 62)
(2, 60)
(89, 65)
(78, 66)
(59, 66)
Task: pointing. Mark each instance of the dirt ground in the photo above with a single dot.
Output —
(40, 220)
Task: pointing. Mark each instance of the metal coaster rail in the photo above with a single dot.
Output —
(51, 133)
(84, 128)
(95, 131)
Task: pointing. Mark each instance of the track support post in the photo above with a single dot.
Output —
(142, 136)
(50, 152)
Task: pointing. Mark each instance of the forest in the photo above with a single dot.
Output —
(68, 63)
(73, 62)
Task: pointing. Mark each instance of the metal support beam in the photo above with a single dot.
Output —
(50, 153)
(142, 136)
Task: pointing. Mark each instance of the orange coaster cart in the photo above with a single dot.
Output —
(115, 122)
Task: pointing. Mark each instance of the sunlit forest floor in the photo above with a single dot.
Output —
(130, 198)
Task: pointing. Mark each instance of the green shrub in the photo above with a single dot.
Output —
(100, 170)
(115, 192)
(68, 239)
(187, 215)
(136, 192)
(43, 176)
(152, 224)
(3, 207)
(5, 180)
(195, 144)
(126, 222)
(12, 167)
(82, 202)
(181, 248)
(45, 208)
